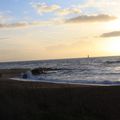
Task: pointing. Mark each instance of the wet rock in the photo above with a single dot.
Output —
(38, 71)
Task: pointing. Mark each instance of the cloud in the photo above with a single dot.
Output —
(26, 24)
(79, 19)
(68, 11)
(111, 34)
(58, 10)
(4, 18)
(44, 8)
(13, 25)
(91, 18)
(102, 6)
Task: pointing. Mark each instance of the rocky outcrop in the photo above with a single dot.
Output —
(38, 71)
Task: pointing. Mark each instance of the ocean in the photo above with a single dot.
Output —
(99, 70)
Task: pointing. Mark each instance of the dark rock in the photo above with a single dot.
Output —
(38, 71)
(112, 62)
(24, 76)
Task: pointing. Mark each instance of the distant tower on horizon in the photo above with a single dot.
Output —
(88, 56)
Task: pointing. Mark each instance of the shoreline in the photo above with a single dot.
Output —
(62, 83)
(27, 100)
(34, 84)
(15, 74)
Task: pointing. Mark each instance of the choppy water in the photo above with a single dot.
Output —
(103, 70)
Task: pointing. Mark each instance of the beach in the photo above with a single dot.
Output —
(59, 60)
(47, 101)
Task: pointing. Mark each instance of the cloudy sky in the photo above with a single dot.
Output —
(53, 29)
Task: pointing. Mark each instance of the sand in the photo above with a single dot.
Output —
(47, 101)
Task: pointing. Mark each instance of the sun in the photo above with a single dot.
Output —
(113, 45)
(114, 25)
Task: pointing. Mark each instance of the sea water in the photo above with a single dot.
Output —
(101, 70)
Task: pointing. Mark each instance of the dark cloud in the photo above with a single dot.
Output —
(111, 34)
(82, 18)
(92, 18)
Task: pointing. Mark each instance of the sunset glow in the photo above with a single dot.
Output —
(42, 29)
(113, 46)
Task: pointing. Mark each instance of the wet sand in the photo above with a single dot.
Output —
(47, 101)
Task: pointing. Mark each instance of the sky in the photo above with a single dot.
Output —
(56, 29)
